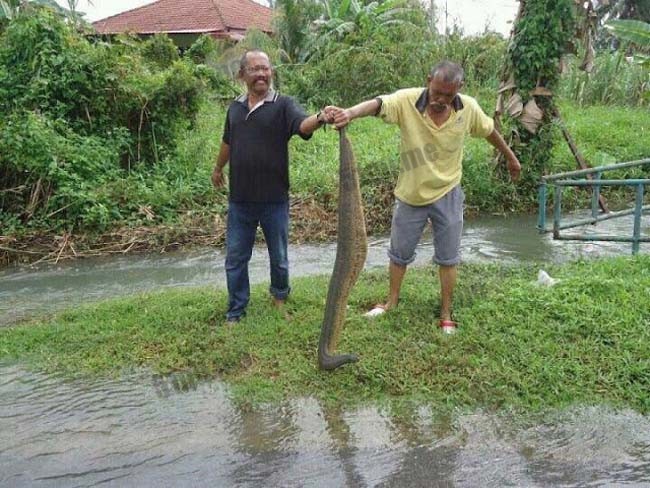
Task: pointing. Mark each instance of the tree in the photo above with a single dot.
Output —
(292, 25)
(9, 9)
(542, 31)
(344, 17)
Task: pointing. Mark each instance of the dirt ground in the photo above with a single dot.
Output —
(311, 221)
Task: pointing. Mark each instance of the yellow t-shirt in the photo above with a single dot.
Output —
(431, 156)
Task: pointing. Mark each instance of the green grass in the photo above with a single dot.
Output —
(605, 135)
(520, 346)
(178, 192)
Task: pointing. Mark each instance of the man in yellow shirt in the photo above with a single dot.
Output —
(433, 124)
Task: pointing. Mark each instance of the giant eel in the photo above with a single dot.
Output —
(351, 249)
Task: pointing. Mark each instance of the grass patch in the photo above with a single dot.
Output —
(605, 134)
(586, 340)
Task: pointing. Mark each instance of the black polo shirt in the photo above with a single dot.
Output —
(259, 147)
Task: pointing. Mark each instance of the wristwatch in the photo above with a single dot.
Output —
(318, 119)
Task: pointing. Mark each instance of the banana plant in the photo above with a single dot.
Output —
(342, 17)
(634, 31)
(9, 9)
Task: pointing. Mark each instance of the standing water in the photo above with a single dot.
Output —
(144, 430)
(30, 291)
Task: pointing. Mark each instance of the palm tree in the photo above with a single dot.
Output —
(292, 22)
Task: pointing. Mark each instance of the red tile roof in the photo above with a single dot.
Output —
(189, 16)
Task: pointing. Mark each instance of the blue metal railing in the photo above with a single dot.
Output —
(595, 181)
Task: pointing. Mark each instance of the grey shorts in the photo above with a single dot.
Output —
(446, 217)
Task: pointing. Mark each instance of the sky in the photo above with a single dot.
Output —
(473, 15)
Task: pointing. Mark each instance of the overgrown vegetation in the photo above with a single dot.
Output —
(78, 117)
(101, 135)
(616, 80)
(542, 31)
(584, 341)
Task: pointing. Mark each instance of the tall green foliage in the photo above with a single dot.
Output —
(10, 9)
(361, 50)
(542, 33)
(637, 33)
(76, 115)
(345, 18)
(293, 23)
(616, 79)
(160, 50)
(348, 72)
(481, 57)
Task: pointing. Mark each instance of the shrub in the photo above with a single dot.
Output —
(203, 48)
(615, 80)
(359, 68)
(160, 50)
(76, 116)
(57, 174)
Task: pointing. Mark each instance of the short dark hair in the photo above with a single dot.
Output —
(243, 61)
(449, 71)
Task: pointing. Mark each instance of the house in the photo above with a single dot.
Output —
(185, 20)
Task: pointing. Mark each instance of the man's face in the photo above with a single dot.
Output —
(257, 74)
(441, 93)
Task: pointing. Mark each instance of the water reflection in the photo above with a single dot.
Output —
(27, 291)
(145, 430)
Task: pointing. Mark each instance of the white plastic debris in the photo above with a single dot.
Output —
(544, 279)
(375, 312)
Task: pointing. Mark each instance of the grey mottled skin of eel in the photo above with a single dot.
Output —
(351, 249)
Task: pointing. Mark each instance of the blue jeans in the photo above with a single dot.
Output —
(243, 219)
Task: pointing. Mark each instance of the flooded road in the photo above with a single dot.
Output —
(31, 291)
(147, 431)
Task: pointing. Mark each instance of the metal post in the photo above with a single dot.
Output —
(541, 201)
(557, 213)
(637, 218)
(594, 179)
(595, 196)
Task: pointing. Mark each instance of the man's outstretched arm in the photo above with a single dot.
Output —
(313, 122)
(514, 167)
(343, 116)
